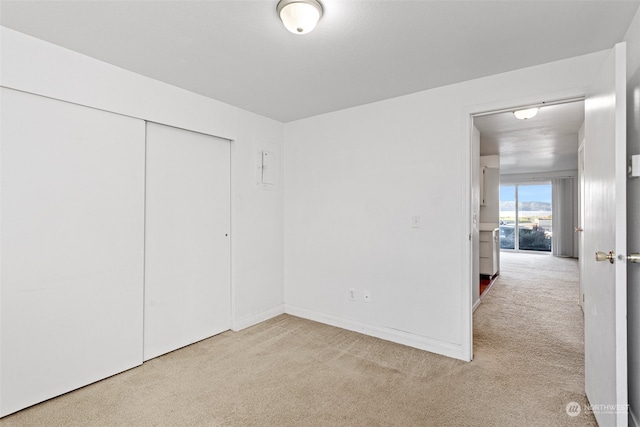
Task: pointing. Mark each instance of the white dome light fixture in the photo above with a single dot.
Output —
(299, 16)
(529, 113)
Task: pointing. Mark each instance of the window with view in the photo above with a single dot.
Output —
(525, 217)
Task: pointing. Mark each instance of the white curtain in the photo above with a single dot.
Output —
(563, 222)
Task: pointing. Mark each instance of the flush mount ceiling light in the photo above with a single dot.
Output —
(299, 16)
(526, 114)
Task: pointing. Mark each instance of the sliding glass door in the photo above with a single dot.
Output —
(525, 217)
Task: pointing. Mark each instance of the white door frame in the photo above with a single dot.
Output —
(580, 219)
(468, 112)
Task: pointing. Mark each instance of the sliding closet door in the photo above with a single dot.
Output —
(72, 241)
(187, 250)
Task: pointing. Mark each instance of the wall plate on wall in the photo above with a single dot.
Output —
(634, 167)
(268, 169)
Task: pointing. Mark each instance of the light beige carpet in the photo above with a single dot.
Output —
(292, 372)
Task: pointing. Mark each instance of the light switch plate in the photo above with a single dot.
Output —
(634, 170)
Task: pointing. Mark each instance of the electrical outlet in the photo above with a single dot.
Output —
(367, 296)
(351, 294)
(415, 222)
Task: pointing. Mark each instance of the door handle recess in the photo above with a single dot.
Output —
(633, 258)
(603, 256)
(579, 229)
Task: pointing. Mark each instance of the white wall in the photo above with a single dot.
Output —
(633, 218)
(356, 177)
(257, 223)
(38, 67)
(490, 161)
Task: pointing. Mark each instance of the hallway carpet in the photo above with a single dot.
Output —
(292, 372)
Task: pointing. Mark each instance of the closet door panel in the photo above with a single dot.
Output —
(187, 250)
(72, 241)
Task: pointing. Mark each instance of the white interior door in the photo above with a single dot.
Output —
(72, 242)
(605, 283)
(187, 250)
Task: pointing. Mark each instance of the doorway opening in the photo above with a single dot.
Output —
(527, 174)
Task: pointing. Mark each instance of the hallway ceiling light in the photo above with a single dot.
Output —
(526, 114)
(299, 16)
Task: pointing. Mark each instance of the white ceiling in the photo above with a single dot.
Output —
(361, 51)
(546, 143)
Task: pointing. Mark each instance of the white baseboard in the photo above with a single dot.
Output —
(254, 319)
(476, 305)
(383, 332)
